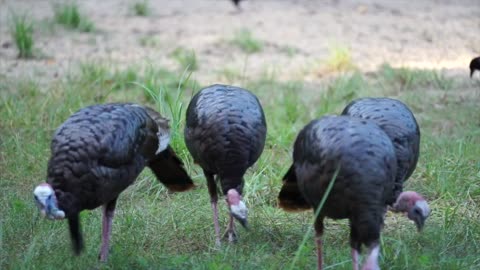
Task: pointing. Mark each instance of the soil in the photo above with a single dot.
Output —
(298, 35)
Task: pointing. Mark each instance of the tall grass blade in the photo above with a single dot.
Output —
(317, 212)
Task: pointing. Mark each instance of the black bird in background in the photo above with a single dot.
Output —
(96, 154)
(474, 65)
(225, 133)
(237, 4)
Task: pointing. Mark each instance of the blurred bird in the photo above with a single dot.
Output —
(474, 65)
(237, 4)
(225, 133)
(96, 154)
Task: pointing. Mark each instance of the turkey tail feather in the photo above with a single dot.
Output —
(290, 199)
(169, 170)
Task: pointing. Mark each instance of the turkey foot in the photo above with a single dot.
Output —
(230, 234)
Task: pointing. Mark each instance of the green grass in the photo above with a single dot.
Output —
(339, 60)
(289, 50)
(154, 229)
(149, 41)
(68, 14)
(408, 79)
(187, 59)
(245, 40)
(141, 8)
(229, 75)
(21, 29)
(149, 81)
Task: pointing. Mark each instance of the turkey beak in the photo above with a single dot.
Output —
(243, 221)
(53, 211)
(419, 213)
(419, 221)
(240, 213)
(471, 72)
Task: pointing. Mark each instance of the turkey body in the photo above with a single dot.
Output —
(225, 133)
(99, 151)
(362, 158)
(399, 123)
(364, 155)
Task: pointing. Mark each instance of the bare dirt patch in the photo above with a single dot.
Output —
(297, 35)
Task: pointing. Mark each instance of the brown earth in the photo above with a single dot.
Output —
(298, 35)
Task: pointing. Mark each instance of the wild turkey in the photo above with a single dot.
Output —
(96, 154)
(225, 133)
(474, 65)
(363, 157)
(396, 119)
(237, 4)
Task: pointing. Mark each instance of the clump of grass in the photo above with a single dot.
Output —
(229, 75)
(125, 77)
(291, 101)
(149, 41)
(408, 79)
(289, 50)
(156, 80)
(141, 8)
(109, 78)
(93, 72)
(151, 80)
(22, 33)
(68, 14)
(340, 59)
(186, 58)
(246, 41)
(340, 92)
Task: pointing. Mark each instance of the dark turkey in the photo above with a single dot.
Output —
(225, 133)
(474, 65)
(96, 154)
(237, 3)
(396, 119)
(364, 159)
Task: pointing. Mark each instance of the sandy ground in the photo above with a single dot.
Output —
(439, 34)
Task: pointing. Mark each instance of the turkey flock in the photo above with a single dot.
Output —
(348, 166)
(351, 165)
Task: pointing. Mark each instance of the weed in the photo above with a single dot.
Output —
(186, 58)
(230, 75)
(340, 91)
(141, 8)
(340, 60)
(149, 41)
(246, 41)
(408, 79)
(289, 50)
(22, 33)
(68, 14)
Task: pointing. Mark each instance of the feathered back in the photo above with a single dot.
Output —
(225, 130)
(360, 150)
(103, 148)
(397, 120)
